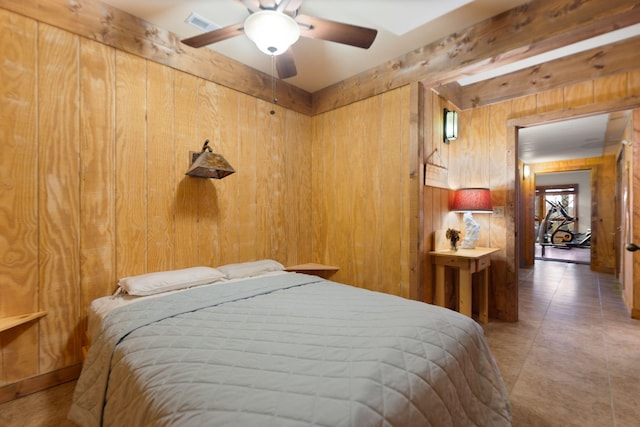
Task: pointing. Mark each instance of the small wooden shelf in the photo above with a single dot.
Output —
(13, 321)
(320, 270)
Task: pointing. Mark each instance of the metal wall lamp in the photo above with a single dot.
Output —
(207, 164)
(449, 125)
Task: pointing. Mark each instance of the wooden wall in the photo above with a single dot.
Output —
(362, 189)
(485, 155)
(436, 198)
(95, 143)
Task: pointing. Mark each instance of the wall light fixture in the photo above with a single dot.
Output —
(450, 125)
(207, 164)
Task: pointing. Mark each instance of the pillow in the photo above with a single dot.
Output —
(251, 268)
(163, 281)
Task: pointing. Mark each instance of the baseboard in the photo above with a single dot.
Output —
(39, 382)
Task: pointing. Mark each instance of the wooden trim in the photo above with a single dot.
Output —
(595, 63)
(416, 236)
(635, 219)
(575, 113)
(39, 383)
(530, 29)
(113, 27)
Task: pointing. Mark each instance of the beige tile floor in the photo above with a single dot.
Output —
(573, 358)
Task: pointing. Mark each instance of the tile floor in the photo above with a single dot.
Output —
(573, 358)
(579, 255)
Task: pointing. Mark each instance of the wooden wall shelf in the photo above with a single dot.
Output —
(13, 321)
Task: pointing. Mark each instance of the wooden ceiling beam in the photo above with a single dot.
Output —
(118, 29)
(600, 62)
(533, 28)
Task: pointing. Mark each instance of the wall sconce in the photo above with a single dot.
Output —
(449, 125)
(469, 200)
(207, 164)
(526, 171)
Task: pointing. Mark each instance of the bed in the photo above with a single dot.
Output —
(274, 348)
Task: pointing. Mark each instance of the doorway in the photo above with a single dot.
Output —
(601, 167)
(562, 217)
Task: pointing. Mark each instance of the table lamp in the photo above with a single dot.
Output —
(470, 200)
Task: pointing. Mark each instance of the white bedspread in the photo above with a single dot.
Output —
(288, 350)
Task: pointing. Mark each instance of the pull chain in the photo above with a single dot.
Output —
(274, 100)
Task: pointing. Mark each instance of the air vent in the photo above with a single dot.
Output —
(200, 22)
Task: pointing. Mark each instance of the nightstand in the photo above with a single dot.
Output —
(467, 261)
(320, 270)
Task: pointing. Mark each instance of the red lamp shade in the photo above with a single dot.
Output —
(472, 200)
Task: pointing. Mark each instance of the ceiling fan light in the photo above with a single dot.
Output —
(273, 32)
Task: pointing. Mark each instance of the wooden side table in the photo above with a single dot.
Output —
(467, 261)
(319, 270)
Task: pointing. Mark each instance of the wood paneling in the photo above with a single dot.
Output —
(139, 119)
(603, 61)
(485, 154)
(131, 148)
(533, 28)
(58, 197)
(103, 23)
(96, 143)
(186, 139)
(19, 194)
(359, 186)
(161, 181)
(98, 171)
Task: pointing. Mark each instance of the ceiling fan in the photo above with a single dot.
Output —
(274, 25)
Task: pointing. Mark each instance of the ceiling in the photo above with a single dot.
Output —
(570, 139)
(403, 26)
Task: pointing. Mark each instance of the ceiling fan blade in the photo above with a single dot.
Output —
(286, 65)
(293, 5)
(214, 36)
(323, 29)
(252, 5)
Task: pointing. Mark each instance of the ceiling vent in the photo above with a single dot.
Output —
(200, 22)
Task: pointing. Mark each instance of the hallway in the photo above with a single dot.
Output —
(573, 358)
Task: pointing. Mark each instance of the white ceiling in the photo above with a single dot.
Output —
(403, 25)
(576, 138)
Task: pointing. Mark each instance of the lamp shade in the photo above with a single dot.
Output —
(273, 32)
(472, 200)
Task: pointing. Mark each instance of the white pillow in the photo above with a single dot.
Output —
(251, 268)
(163, 281)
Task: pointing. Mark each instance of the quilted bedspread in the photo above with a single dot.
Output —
(288, 350)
